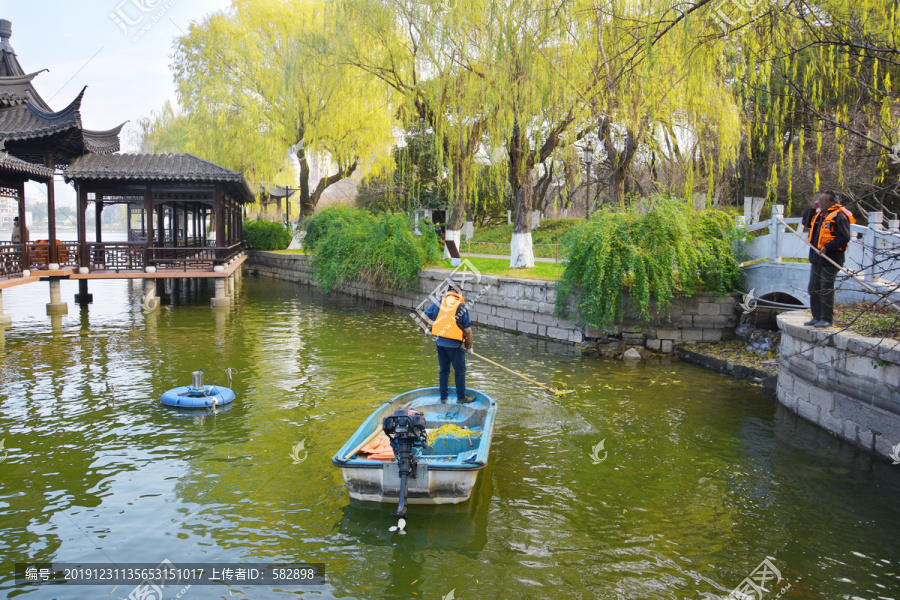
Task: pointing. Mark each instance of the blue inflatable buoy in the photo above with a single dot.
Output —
(198, 395)
(188, 396)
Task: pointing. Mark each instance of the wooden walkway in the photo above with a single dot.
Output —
(161, 273)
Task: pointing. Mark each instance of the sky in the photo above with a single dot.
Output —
(119, 49)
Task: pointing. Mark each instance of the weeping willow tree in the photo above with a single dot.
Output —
(817, 85)
(413, 47)
(257, 81)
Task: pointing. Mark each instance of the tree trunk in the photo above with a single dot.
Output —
(618, 161)
(306, 209)
(617, 186)
(470, 221)
(520, 247)
(308, 201)
(458, 210)
(521, 180)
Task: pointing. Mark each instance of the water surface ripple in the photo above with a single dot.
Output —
(704, 478)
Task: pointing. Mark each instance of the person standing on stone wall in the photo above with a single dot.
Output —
(829, 233)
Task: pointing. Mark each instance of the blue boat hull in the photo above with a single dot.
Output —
(447, 471)
(214, 395)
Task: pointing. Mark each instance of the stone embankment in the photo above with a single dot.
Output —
(528, 306)
(846, 383)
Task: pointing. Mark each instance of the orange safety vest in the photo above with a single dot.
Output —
(828, 230)
(445, 325)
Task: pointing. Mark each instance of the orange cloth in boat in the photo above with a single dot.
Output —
(380, 449)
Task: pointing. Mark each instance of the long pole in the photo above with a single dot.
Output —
(847, 272)
(528, 379)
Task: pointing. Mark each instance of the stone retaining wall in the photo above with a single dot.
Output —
(751, 374)
(846, 383)
(528, 306)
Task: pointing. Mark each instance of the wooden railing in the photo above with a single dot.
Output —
(191, 257)
(115, 256)
(112, 256)
(10, 260)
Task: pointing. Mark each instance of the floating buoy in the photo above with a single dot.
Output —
(198, 395)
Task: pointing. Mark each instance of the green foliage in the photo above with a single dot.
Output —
(381, 250)
(266, 235)
(416, 180)
(551, 231)
(669, 250)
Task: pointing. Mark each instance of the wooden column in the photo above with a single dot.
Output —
(220, 216)
(23, 242)
(82, 226)
(148, 214)
(50, 163)
(98, 211)
(161, 225)
(240, 228)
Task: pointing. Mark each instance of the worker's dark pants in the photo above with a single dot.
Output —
(457, 358)
(821, 290)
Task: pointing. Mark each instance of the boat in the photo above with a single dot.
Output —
(198, 395)
(443, 471)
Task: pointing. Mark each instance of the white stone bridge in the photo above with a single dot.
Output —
(770, 272)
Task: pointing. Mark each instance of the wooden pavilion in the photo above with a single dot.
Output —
(183, 212)
(32, 132)
(14, 172)
(275, 194)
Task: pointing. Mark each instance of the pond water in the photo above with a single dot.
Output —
(704, 477)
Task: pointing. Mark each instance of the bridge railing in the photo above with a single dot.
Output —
(873, 251)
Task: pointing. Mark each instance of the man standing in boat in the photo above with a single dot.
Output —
(452, 328)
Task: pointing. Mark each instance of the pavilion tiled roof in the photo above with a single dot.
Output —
(272, 191)
(16, 90)
(27, 121)
(154, 167)
(11, 164)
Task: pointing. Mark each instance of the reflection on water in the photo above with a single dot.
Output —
(705, 476)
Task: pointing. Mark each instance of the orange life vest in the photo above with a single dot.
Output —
(445, 325)
(828, 230)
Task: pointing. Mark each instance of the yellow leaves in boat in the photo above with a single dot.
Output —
(449, 429)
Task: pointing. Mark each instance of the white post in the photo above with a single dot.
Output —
(56, 306)
(894, 226)
(509, 217)
(4, 319)
(221, 299)
(870, 249)
(776, 230)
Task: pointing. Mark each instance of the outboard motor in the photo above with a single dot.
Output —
(406, 430)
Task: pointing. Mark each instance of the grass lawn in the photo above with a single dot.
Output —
(547, 239)
(500, 267)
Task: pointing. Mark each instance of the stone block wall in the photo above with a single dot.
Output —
(846, 383)
(528, 306)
